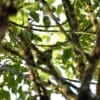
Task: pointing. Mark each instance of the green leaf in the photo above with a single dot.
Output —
(28, 35)
(36, 38)
(59, 9)
(46, 21)
(67, 53)
(53, 9)
(4, 95)
(47, 55)
(51, 1)
(34, 15)
(31, 6)
(44, 76)
(20, 17)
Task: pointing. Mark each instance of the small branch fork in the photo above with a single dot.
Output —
(84, 93)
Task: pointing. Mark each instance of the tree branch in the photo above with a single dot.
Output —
(43, 30)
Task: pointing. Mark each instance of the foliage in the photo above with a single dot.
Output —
(47, 46)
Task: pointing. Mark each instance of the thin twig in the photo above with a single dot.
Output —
(47, 25)
(44, 30)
